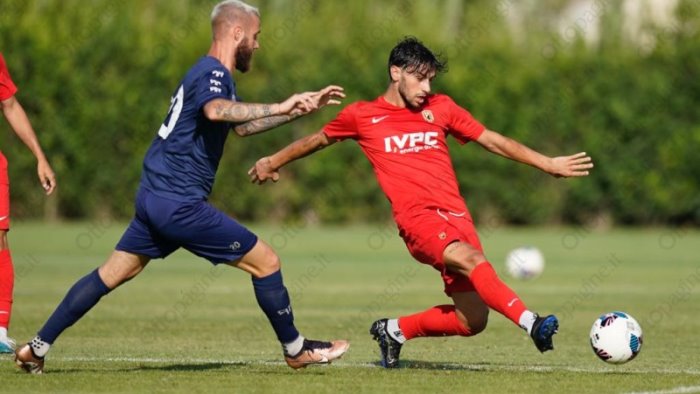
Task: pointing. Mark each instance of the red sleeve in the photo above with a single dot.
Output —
(462, 125)
(344, 125)
(7, 87)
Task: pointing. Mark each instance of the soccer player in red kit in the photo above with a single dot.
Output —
(19, 123)
(403, 134)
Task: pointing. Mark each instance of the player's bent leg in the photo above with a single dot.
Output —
(463, 258)
(83, 296)
(471, 311)
(438, 321)
(272, 296)
(211, 234)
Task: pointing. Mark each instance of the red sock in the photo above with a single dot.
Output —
(437, 321)
(495, 293)
(7, 280)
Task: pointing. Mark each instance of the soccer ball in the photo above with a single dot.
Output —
(616, 337)
(525, 262)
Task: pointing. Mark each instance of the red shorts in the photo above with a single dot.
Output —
(427, 235)
(4, 195)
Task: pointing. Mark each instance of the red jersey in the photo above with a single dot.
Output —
(408, 149)
(7, 87)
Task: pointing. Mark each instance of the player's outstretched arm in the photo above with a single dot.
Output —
(268, 167)
(563, 166)
(223, 110)
(19, 122)
(330, 95)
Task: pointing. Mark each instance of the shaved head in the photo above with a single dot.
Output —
(231, 12)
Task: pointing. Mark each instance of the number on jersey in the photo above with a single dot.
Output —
(173, 113)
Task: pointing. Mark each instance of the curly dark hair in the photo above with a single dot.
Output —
(411, 55)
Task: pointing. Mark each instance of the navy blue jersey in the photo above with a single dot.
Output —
(182, 161)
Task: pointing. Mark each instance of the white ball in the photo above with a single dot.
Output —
(616, 337)
(525, 262)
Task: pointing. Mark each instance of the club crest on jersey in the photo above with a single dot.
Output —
(428, 115)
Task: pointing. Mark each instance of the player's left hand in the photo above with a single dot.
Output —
(570, 166)
(262, 171)
(329, 95)
(46, 176)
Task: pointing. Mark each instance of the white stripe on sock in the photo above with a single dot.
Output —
(394, 331)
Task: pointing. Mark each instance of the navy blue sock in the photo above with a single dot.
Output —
(273, 299)
(84, 294)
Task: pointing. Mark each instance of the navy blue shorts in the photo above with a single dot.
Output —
(161, 226)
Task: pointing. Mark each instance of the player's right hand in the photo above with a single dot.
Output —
(262, 171)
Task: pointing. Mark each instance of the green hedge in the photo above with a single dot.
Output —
(95, 77)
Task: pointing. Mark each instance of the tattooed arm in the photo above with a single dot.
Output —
(221, 110)
(264, 124)
(256, 118)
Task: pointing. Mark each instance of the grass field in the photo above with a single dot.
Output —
(183, 326)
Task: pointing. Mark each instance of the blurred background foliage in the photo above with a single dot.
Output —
(95, 77)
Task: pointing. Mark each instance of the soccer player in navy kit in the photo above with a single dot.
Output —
(178, 173)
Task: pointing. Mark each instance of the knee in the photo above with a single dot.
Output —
(260, 261)
(269, 264)
(3, 240)
(120, 268)
(478, 324)
(474, 323)
(272, 263)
